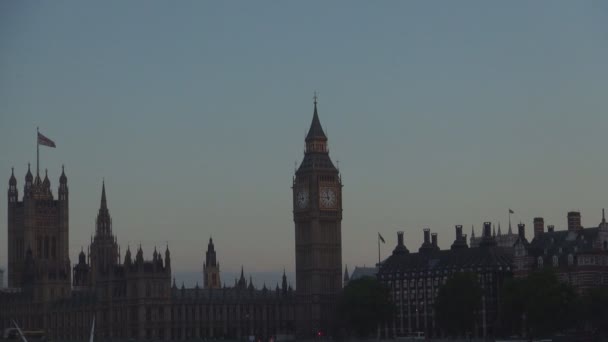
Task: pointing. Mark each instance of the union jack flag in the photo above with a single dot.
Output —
(42, 140)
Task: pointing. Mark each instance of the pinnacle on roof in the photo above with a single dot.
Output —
(12, 180)
(63, 179)
(346, 277)
(316, 131)
(28, 175)
(46, 183)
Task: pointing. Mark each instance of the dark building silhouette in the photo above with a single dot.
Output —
(38, 237)
(579, 256)
(317, 214)
(414, 280)
(132, 298)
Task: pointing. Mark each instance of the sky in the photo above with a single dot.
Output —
(439, 113)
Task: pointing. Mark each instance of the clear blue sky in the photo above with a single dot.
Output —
(440, 113)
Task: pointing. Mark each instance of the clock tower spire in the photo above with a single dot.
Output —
(317, 212)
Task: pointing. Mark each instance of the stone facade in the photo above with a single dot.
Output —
(317, 214)
(414, 280)
(132, 298)
(38, 237)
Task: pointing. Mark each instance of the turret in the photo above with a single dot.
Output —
(139, 258)
(63, 186)
(168, 260)
(28, 181)
(13, 194)
(128, 260)
(46, 184)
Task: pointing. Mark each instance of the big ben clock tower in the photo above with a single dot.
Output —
(317, 214)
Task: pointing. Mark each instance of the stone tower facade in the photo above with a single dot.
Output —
(211, 268)
(38, 230)
(317, 213)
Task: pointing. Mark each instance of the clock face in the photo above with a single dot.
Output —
(327, 197)
(302, 199)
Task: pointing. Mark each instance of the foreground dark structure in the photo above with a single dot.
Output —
(414, 279)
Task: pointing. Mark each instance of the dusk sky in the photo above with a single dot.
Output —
(440, 113)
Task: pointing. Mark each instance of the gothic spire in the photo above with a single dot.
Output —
(316, 130)
(472, 231)
(104, 204)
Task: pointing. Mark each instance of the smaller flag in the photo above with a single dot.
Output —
(511, 211)
(381, 238)
(42, 140)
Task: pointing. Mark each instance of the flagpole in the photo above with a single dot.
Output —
(378, 249)
(37, 153)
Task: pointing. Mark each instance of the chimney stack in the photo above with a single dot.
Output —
(539, 226)
(434, 239)
(400, 248)
(521, 230)
(574, 221)
(427, 236)
(487, 230)
(400, 238)
(550, 228)
(458, 232)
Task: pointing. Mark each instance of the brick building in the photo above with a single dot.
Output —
(578, 255)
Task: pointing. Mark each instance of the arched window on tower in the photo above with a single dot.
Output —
(570, 259)
(540, 261)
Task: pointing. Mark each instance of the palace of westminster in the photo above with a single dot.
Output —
(134, 297)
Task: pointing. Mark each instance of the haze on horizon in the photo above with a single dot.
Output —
(440, 113)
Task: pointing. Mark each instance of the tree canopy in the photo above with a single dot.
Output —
(457, 303)
(539, 304)
(363, 304)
